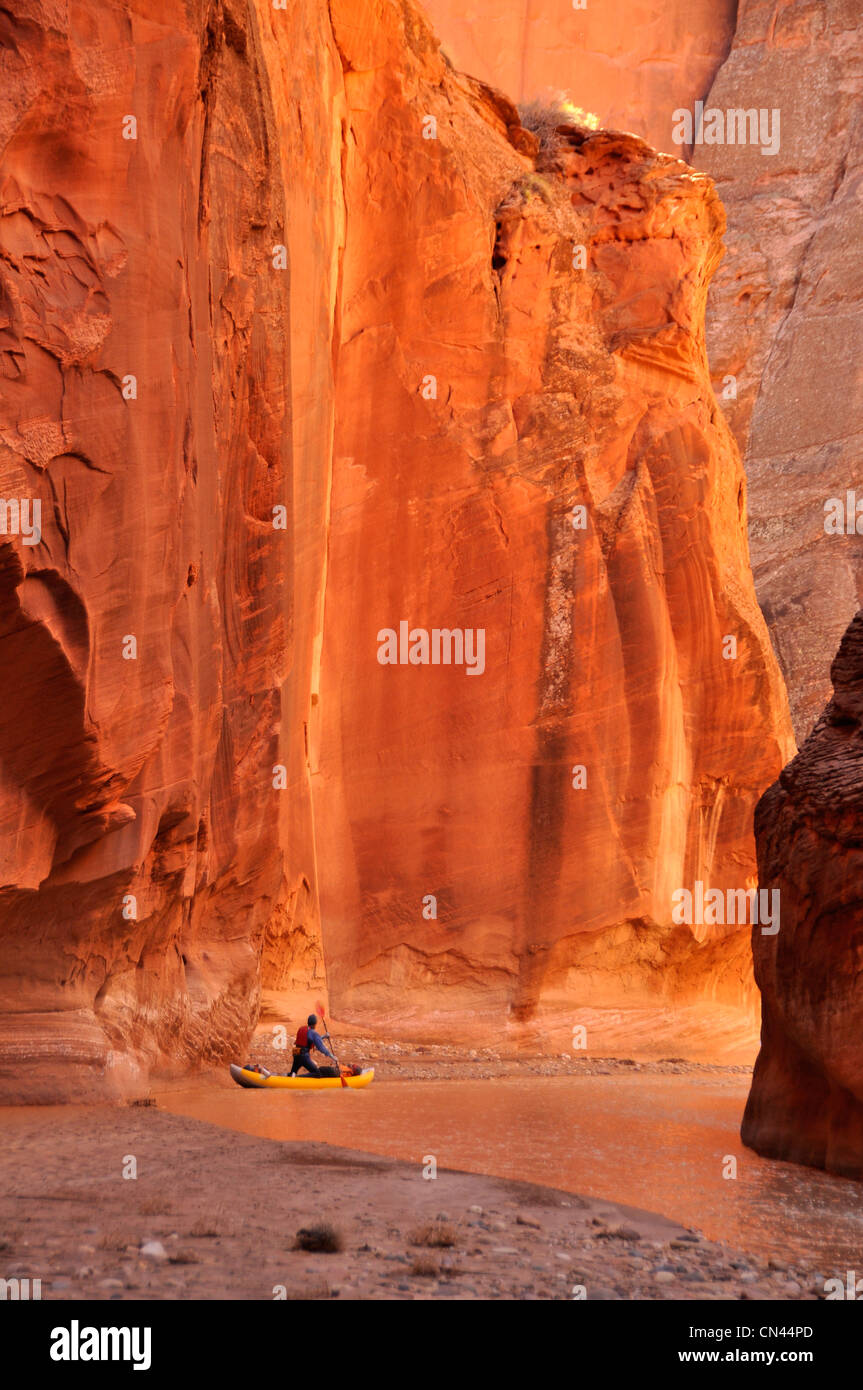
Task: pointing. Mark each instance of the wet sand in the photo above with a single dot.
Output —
(213, 1213)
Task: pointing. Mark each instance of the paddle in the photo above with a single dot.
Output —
(320, 1009)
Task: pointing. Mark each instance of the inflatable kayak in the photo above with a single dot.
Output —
(254, 1080)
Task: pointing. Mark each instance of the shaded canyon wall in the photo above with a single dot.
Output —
(806, 1102)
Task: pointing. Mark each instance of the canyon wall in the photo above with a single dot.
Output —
(786, 319)
(318, 343)
(164, 388)
(488, 387)
(785, 314)
(806, 1102)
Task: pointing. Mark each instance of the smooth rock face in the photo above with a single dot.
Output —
(630, 63)
(806, 1102)
(282, 260)
(147, 773)
(785, 314)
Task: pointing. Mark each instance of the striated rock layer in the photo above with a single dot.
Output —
(806, 1102)
(312, 217)
(487, 387)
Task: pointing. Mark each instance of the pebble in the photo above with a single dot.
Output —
(154, 1250)
(663, 1276)
(110, 1283)
(476, 1210)
(528, 1221)
(505, 1250)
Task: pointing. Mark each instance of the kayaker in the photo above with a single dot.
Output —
(306, 1039)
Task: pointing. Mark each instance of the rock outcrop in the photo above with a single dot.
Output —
(304, 337)
(490, 391)
(806, 1102)
(785, 315)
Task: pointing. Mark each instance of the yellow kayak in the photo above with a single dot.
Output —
(254, 1080)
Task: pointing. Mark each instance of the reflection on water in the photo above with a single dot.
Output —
(657, 1142)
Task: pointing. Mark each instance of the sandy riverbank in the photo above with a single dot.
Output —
(214, 1214)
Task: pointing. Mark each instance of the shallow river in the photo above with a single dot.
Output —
(657, 1142)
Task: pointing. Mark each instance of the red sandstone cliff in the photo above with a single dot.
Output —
(806, 1102)
(307, 388)
(149, 776)
(784, 315)
(556, 388)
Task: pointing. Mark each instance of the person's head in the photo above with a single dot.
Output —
(312, 1020)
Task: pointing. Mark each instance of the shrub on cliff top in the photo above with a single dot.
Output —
(544, 117)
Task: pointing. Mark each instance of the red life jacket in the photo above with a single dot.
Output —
(302, 1039)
